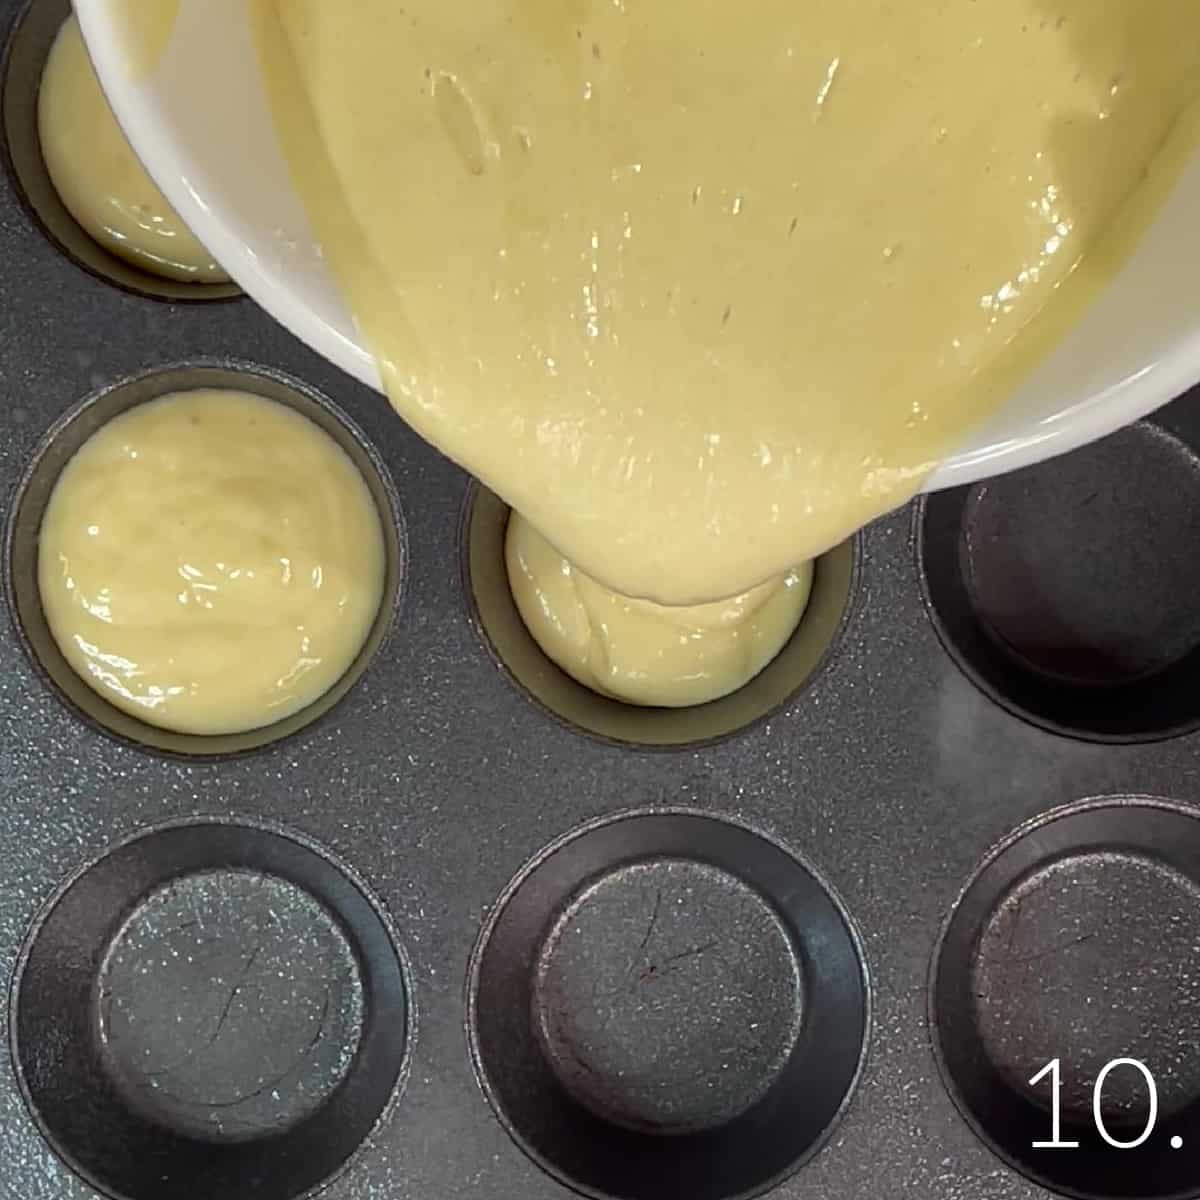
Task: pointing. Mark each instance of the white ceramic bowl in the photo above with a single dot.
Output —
(200, 122)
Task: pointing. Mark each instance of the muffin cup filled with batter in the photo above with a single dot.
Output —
(77, 175)
(68, 632)
(639, 652)
(504, 631)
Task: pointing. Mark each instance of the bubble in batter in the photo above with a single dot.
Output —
(211, 562)
(99, 178)
(641, 652)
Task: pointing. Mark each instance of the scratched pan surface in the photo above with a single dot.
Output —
(468, 933)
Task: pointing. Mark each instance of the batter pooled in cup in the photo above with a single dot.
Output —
(641, 652)
(99, 178)
(211, 562)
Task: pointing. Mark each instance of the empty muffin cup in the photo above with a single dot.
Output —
(666, 1003)
(498, 621)
(1066, 591)
(1064, 1003)
(210, 1010)
(25, 525)
(21, 71)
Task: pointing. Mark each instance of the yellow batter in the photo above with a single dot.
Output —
(211, 562)
(99, 178)
(641, 652)
(144, 30)
(699, 288)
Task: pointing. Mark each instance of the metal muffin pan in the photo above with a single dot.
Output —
(708, 1059)
(1067, 593)
(238, 1030)
(467, 934)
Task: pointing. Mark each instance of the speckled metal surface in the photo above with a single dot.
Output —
(437, 780)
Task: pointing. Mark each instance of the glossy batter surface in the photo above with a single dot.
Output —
(701, 288)
(641, 652)
(211, 562)
(97, 175)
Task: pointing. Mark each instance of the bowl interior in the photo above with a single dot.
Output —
(214, 154)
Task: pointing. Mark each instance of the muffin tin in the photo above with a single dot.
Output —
(470, 931)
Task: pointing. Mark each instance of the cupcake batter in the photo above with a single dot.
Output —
(99, 178)
(641, 652)
(701, 288)
(211, 562)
